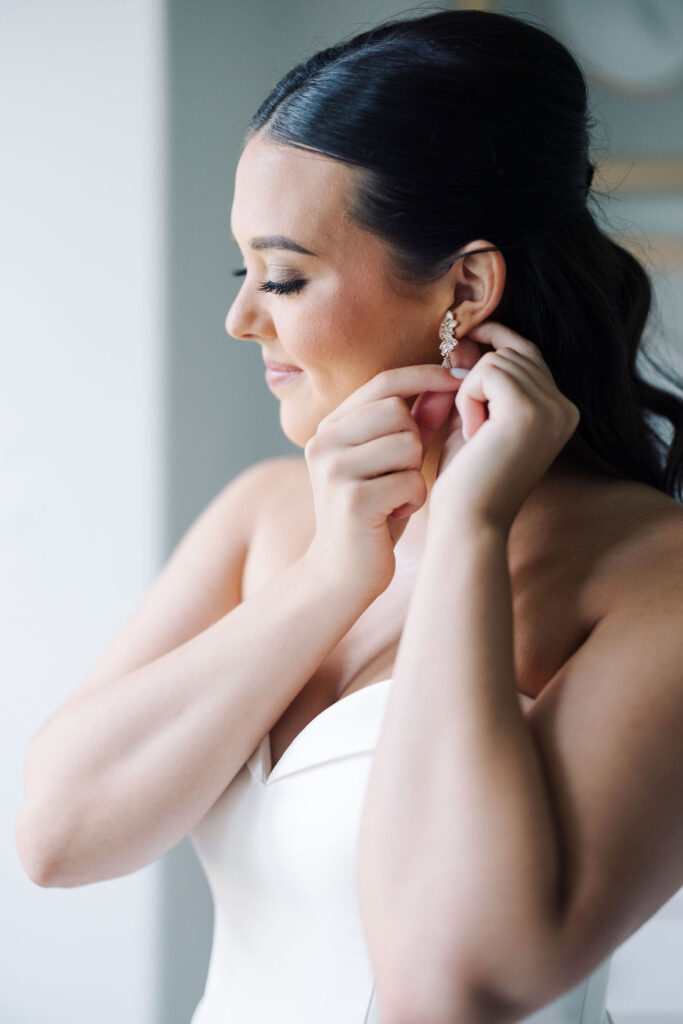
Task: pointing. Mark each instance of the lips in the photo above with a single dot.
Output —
(281, 367)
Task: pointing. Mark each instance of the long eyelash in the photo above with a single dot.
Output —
(279, 287)
(282, 287)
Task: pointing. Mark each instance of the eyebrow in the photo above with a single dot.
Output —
(277, 242)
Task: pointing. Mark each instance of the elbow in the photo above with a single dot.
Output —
(34, 857)
(466, 1011)
(455, 1002)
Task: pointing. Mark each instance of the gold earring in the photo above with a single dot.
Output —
(448, 338)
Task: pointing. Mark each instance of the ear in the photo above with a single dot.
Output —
(476, 281)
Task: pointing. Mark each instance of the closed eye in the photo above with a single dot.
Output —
(279, 287)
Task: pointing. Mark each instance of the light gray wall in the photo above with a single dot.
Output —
(81, 467)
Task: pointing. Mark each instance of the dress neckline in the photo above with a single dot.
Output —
(336, 731)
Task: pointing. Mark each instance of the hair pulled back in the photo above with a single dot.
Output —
(471, 124)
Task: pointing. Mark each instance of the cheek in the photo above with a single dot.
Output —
(328, 330)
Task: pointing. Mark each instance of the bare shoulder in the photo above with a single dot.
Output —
(283, 519)
(593, 551)
(645, 552)
(279, 470)
(255, 492)
(651, 538)
(278, 484)
(657, 540)
(202, 579)
(237, 509)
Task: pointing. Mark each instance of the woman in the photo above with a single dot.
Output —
(407, 810)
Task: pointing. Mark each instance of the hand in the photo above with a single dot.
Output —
(529, 422)
(364, 463)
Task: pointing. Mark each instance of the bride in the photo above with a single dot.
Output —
(414, 694)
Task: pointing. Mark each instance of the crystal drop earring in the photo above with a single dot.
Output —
(448, 337)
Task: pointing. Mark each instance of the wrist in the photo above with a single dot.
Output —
(335, 586)
(450, 518)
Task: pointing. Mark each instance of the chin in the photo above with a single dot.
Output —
(301, 417)
(298, 431)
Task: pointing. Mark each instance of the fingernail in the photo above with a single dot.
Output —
(457, 371)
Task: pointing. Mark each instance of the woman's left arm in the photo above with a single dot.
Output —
(504, 855)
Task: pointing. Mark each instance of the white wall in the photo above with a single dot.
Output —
(81, 200)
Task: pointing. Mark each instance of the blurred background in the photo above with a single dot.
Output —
(124, 406)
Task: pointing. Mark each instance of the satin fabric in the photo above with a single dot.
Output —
(279, 852)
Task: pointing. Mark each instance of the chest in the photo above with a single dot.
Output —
(549, 585)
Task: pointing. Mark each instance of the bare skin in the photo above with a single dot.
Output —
(569, 553)
(574, 545)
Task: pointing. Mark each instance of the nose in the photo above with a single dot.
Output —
(245, 321)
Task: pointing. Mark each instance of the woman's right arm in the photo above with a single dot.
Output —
(133, 760)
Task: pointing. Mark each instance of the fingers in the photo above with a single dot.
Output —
(385, 416)
(514, 355)
(500, 337)
(540, 375)
(402, 381)
(430, 411)
(390, 415)
(397, 491)
(387, 454)
(488, 384)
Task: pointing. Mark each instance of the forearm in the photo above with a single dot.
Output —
(458, 857)
(121, 772)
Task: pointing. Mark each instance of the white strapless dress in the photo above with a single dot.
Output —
(279, 852)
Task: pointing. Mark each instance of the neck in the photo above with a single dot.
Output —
(418, 520)
(432, 456)
(563, 466)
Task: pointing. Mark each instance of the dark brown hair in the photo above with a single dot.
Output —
(470, 124)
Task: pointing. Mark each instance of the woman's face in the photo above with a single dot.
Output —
(347, 321)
